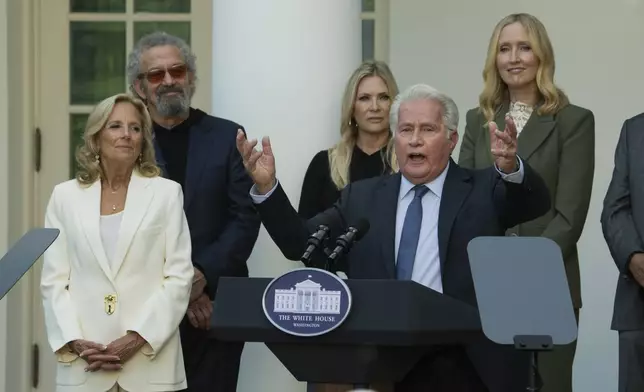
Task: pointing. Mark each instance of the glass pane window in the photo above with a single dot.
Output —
(180, 29)
(368, 6)
(368, 41)
(162, 6)
(76, 129)
(97, 6)
(97, 61)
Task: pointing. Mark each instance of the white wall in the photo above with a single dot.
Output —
(4, 182)
(599, 64)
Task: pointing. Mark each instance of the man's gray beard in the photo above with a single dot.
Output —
(173, 105)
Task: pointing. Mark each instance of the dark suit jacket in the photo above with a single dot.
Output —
(473, 203)
(223, 222)
(561, 148)
(623, 222)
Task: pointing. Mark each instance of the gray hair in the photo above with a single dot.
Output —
(152, 40)
(423, 91)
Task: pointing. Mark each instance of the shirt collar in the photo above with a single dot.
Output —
(436, 186)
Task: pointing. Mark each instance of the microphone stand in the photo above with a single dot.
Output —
(343, 246)
(314, 242)
(328, 263)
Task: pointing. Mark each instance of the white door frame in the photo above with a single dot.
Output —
(21, 33)
(380, 17)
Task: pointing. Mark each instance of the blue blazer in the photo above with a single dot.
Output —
(223, 222)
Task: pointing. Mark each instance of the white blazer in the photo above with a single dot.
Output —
(146, 287)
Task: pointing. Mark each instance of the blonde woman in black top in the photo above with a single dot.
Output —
(364, 132)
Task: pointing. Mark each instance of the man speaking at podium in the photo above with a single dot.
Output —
(421, 220)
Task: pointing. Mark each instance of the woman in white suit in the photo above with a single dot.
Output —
(116, 283)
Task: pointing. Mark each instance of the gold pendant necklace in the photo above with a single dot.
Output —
(114, 191)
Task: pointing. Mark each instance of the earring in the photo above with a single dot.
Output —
(97, 157)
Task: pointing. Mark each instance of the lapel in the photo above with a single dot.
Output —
(534, 133)
(635, 166)
(385, 219)
(90, 215)
(636, 141)
(139, 198)
(499, 119)
(199, 150)
(456, 188)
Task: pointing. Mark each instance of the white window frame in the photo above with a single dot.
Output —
(380, 16)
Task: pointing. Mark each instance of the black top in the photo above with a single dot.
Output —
(174, 145)
(319, 192)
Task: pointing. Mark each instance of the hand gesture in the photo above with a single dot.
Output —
(199, 312)
(125, 347)
(504, 145)
(636, 266)
(95, 355)
(260, 165)
(198, 285)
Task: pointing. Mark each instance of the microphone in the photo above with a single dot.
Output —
(345, 241)
(314, 242)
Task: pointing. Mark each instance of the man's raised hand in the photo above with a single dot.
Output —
(504, 145)
(260, 164)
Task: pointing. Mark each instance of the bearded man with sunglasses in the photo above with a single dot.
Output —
(199, 152)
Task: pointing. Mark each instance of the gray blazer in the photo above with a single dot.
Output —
(623, 222)
(561, 148)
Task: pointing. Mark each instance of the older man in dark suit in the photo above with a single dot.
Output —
(198, 151)
(422, 219)
(623, 224)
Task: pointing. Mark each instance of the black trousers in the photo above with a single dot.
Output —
(445, 369)
(211, 365)
(631, 361)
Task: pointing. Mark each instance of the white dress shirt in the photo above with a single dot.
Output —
(427, 264)
(110, 226)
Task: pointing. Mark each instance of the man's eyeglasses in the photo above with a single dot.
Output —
(157, 75)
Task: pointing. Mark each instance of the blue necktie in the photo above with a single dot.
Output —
(410, 234)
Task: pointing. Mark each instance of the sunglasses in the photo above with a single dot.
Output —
(157, 75)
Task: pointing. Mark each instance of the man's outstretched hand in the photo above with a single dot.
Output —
(503, 145)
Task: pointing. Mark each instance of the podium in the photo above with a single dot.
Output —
(392, 324)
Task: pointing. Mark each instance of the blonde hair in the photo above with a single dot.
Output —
(340, 154)
(89, 167)
(495, 91)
